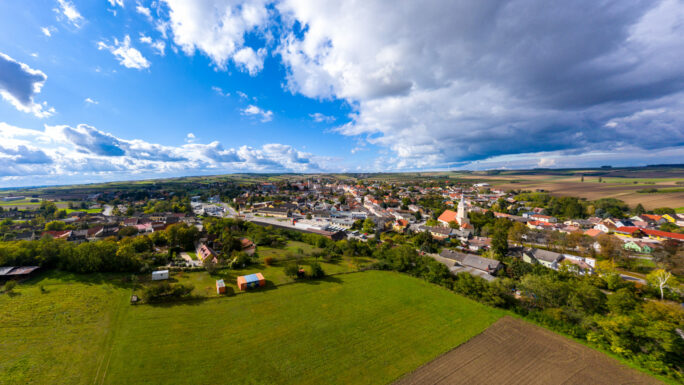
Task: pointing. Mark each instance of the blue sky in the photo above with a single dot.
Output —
(124, 89)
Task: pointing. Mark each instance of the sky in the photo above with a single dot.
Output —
(101, 90)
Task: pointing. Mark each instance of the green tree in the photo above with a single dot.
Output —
(291, 270)
(623, 301)
(639, 209)
(368, 226)
(500, 238)
(55, 226)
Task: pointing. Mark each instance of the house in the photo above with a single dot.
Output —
(440, 233)
(400, 225)
(631, 231)
(639, 247)
(578, 265)
(546, 258)
(660, 235)
(670, 218)
(13, 272)
(593, 233)
(245, 282)
(160, 275)
(479, 243)
(247, 246)
(205, 253)
(473, 264)
(543, 218)
(275, 212)
(220, 287)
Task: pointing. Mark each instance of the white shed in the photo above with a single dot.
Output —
(159, 275)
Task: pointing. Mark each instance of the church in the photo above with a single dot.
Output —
(460, 217)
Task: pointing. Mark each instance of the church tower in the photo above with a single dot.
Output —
(462, 215)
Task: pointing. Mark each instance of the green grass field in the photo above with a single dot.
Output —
(89, 211)
(369, 327)
(205, 283)
(57, 336)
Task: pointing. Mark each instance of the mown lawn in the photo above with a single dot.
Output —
(58, 336)
(292, 248)
(369, 327)
(205, 283)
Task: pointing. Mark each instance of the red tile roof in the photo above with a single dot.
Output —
(448, 216)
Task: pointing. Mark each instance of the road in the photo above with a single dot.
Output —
(107, 210)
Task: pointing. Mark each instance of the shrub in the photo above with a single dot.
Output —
(316, 270)
(269, 261)
(165, 291)
(9, 286)
(291, 270)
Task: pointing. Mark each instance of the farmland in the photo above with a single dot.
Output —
(621, 184)
(515, 352)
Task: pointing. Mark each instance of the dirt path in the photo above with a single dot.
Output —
(512, 351)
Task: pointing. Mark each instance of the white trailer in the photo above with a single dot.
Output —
(160, 275)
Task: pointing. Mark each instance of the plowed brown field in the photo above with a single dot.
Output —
(512, 351)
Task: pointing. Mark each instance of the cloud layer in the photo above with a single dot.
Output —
(86, 153)
(440, 83)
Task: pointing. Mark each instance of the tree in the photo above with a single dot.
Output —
(55, 226)
(623, 301)
(500, 238)
(368, 226)
(659, 278)
(517, 231)
(639, 209)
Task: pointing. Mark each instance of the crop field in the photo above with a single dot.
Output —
(668, 194)
(368, 327)
(513, 351)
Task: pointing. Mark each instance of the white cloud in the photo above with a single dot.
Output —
(128, 56)
(115, 3)
(487, 79)
(68, 10)
(91, 101)
(47, 31)
(249, 60)
(85, 153)
(217, 28)
(266, 116)
(220, 91)
(19, 83)
(144, 11)
(158, 45)
(320, 118)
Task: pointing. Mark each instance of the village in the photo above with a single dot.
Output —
(376, 211)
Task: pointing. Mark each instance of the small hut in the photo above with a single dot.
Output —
(245, 282)
(220, 287)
